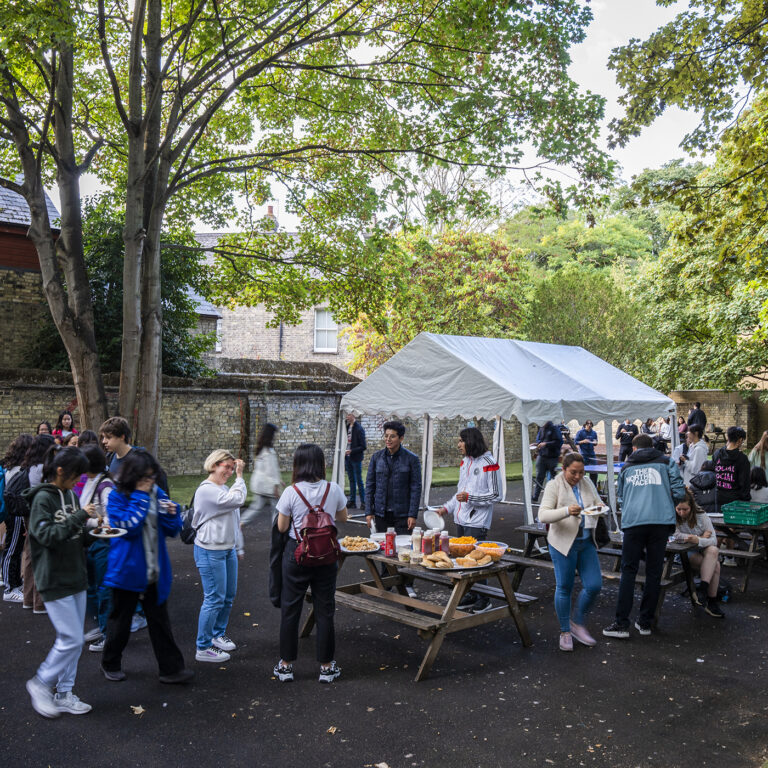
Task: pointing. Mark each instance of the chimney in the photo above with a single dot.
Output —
(270, 220)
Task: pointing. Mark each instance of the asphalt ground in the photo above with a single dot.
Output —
(692, 694)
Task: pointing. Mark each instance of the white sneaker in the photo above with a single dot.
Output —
(330, 673)
(138, 622)
(92, 635)
(68, 702)
(224, 643)
(728, 562)
(212, 654)
(97, 646)
(13, 595)
(42, 698)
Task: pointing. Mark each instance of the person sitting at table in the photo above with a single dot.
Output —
(586, 440)
(693, 526)
(704, 488)
(626, 432)
(548, 442)
(472, 507)
(758, 485)
(692, 460)
(571, 540)
(664, 437)
(682, 426)
(309, 487)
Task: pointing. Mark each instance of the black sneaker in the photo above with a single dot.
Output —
(330, 673)
(617, 630)
(644, 631)
(713, 609)
(468, 600)
(283, 672)
(482, 604)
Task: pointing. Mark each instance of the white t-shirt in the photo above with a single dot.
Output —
(760, 495)
(292, 506)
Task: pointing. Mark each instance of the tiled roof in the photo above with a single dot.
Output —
(14, 209)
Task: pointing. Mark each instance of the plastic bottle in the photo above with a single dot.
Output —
(416, 539)
(389, 547)
(445, 545)
(427, 542)
(436, 540)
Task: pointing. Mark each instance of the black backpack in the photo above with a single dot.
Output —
(188, 532)
(15, 504)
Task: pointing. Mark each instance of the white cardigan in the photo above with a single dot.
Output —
(564, 527)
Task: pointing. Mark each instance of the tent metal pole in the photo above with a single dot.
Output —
(499, 454)
(337, 473)
(527, 472)
(427, 455)
(675, 433)
(609, 475)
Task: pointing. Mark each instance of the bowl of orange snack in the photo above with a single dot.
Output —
(460, 546)
(493, 548)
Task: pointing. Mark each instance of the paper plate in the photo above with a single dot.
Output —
(432, 519)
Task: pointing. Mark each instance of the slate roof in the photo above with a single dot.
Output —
(14, 209)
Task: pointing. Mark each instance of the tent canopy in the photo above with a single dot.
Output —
(449, 376)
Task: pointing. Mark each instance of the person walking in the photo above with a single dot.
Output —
(57, 533)
(308, 492)
(139, 569)
(649, 488)
(217, 522)
(353, 460)
(572, 545)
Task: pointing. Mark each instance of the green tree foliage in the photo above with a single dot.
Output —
(458, 283)
(594, 309)
(711, 58)
(182, 270)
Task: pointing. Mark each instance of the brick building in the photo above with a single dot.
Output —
(22, 304)
(243, 333)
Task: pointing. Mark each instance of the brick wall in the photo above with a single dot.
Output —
(245, 334)
(725, 409)
(22, 311)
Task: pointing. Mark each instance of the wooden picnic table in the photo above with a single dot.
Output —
(431, 620)
(753, 551)
(669, 576)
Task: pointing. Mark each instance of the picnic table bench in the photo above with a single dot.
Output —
(432, 621)
(752, 533)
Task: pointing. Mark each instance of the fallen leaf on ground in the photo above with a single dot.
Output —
(247, 613)
(332, 729)
(138, 710)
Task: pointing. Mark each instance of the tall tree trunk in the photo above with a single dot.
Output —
(155, 183)
(134, 232)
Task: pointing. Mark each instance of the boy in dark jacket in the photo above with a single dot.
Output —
(353, 460)
(732, 469)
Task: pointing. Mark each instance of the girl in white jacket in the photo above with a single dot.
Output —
(472, 507)
(217, 522)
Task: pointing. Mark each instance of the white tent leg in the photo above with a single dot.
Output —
(675, 433)
(527, 473)
(337, 473)
(499, 454)
(609, 476)
(426, 461)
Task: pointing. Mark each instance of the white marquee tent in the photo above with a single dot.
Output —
(442, 377)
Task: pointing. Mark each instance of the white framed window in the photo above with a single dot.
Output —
(326, 331)
(217, 348)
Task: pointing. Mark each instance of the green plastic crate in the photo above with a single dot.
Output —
(745, 513)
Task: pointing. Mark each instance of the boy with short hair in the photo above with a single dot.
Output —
(115, 434)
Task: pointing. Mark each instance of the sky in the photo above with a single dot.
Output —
(614, 23)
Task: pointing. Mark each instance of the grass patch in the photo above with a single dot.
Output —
(183, 486)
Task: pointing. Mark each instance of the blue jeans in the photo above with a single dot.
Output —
(582, 557)
(99, 596)
(218, 572)
(355, 475)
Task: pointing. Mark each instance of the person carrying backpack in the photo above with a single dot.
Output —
(307, 512)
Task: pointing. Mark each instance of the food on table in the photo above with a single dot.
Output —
(493, 549)
(438, 560)
(404, 554)
(459, 546)
(358, 544)
(467, 562)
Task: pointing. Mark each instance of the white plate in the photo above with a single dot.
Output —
(432, 519)
(359, 551)
(108, 537)
(403, 541)
(595, 511)
(458, 567)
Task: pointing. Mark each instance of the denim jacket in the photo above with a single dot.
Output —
(407, 484)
